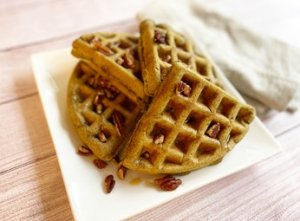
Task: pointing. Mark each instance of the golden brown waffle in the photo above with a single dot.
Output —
(191, 123)
(159, 47)
(102, 113)
(115, 54)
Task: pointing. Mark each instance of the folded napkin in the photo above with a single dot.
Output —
(266, 71)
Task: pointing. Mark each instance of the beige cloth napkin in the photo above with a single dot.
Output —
(264, 70)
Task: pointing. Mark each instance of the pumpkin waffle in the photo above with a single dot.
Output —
(191, 124)
(115, 54)
(101, 112)
(159, 47)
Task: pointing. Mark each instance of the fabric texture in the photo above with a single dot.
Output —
(263, 69)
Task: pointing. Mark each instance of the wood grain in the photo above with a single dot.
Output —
(16, 78)
(31, 21)
(34, 192)
(31, 186)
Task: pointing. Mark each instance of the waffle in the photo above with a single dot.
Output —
(101, 112)
(191, 124)
(115, 54)
(159, 47)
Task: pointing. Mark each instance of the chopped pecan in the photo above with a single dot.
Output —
(118, 122)
(183, 88)
(160, 37)
(122, 172)
(167, 183)
(159, 139)
(98, 97)
(91, 82)
(128, 60)
(146, 155)
(214, 130)
(167, 58)
(102, 137)
(84, 150)
(109, 183)
(101, 48)
(99, 108)
(100, 163)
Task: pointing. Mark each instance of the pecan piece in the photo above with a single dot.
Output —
(100, 163)
(160, 37)
(84, 150)
(118, 122)
(98, 97)
(168, 183)
(101, 48)
(102, 137)
(213, 130)
(167, 58)
(109, 183)
(146, 155)
(159, 139)
(128, 60)
(183, 88)
(122, 172)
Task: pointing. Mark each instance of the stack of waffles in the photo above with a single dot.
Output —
(152, 101)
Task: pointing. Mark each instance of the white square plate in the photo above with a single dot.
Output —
(83, 180)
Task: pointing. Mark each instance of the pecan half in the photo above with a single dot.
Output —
(118, 122)
(159, 139)
(122, 172)
(168, 183)
(160, 37)
(84, 150)
(213, 130)
(100, 163)
(109, 183)
(183, 88)
(128, 60)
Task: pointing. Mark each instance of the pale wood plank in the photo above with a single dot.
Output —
(16, 78)
(24, 22)
(280, 122)
(34, 192)
(25, 137)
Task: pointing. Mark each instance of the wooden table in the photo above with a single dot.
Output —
(31, 186)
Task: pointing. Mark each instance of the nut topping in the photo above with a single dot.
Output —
(98, 97)
(158, 139)
(167, 183)
(102, 137)
(128, 60)
(167, 58)
(84, 151)
(122, 172)
(160, 37)
(183, 88)
(214, 130)
(99, 108)
(109, 183)
(100, 163)
(118, 122)
(101, 48)
(146, 155)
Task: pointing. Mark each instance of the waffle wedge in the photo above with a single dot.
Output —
(191, 123)
(102, 113)
(115, 54)
(159, 47)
